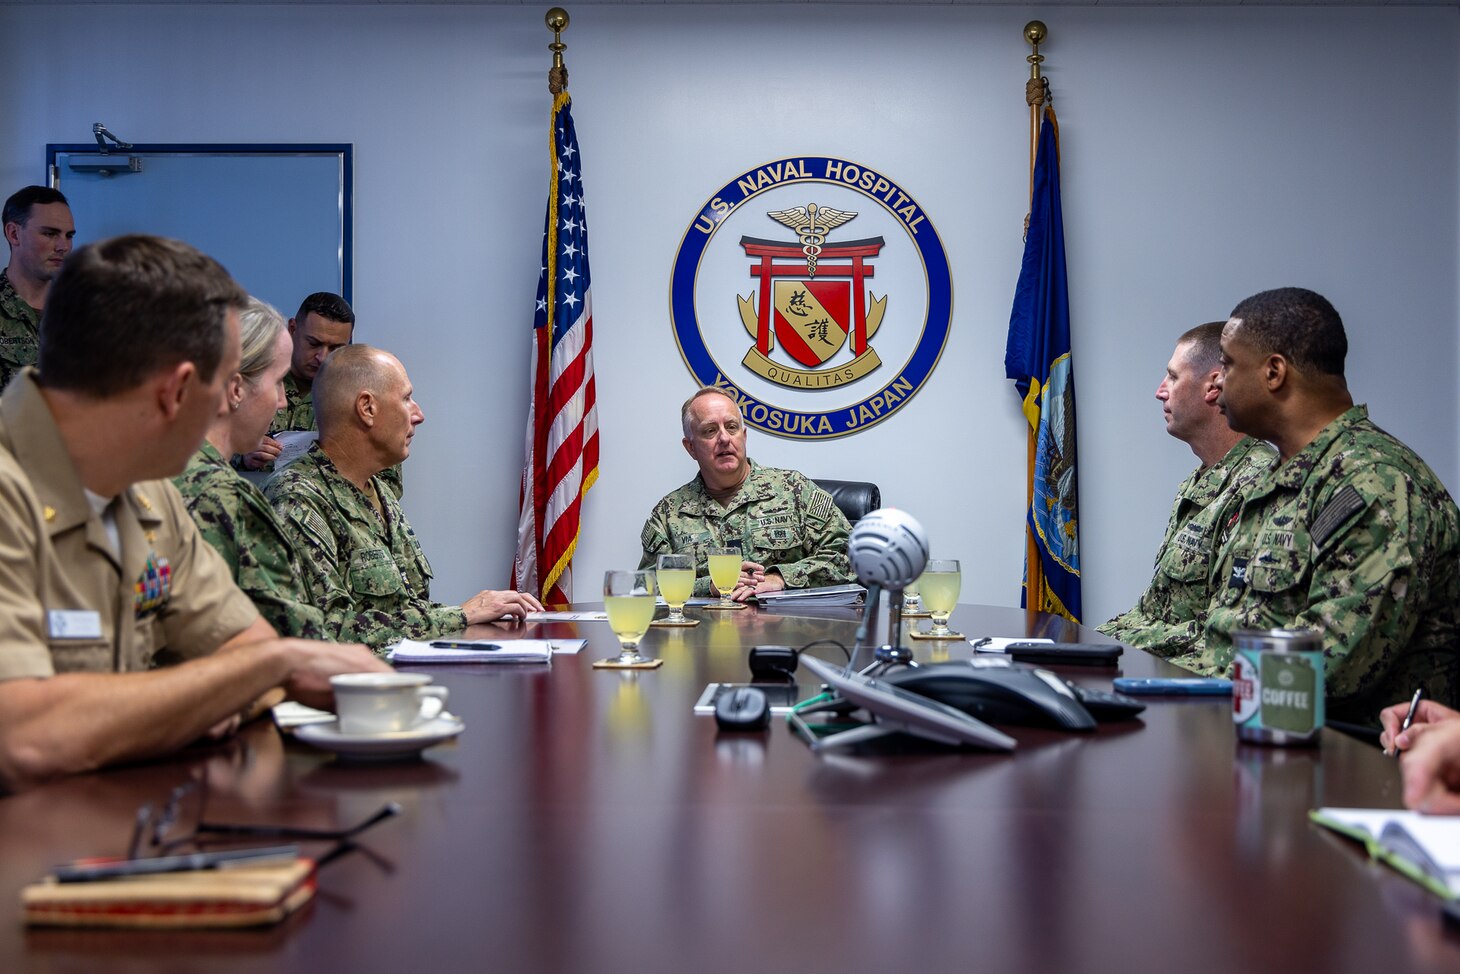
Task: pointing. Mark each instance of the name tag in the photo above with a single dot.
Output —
(74, 624)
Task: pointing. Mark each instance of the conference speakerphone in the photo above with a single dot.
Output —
(893, 710)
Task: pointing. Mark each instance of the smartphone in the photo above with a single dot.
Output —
(1072, 654)
(1199, 686)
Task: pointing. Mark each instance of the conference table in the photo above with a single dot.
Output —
(588, 820)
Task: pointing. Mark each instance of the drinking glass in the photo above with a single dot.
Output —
(676, 578)
(628, 597)
(939, 586)
(724, 572)
(910, 600)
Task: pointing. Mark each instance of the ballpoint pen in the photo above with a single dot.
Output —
(1408, 718)
(1413, 708)
(457, 644)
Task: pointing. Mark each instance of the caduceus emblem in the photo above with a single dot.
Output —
(811, 223)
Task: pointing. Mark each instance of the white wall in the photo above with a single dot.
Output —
(1208, 153)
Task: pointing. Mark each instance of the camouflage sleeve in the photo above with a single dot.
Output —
(352, 612)
(824, 540)
(654, 536)
(658, 538)
(1367, 537)
(394, 478)
(215, 510)
(1156, 636)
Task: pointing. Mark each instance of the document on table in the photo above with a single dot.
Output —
(567, 617)
(482, 650)
(848, 594)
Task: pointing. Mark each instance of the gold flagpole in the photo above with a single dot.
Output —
(557, 22)
(1034, 94)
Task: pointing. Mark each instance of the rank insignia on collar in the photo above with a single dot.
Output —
(1239, 573)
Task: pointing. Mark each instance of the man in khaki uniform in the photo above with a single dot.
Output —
(103, 577)
(1170, 618)
(789, 532)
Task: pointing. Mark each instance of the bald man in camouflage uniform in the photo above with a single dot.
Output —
(358, 550)
(789, 532)
(1170, 618)
(1351, 534)
(235, 518)
(324, 322)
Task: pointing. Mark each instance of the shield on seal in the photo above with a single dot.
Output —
(812, 318)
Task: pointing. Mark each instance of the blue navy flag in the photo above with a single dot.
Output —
(562, 421)
(1038, 360)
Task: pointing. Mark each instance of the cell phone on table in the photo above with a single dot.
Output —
(1070, 654)
(1180, 686)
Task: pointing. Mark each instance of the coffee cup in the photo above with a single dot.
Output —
(385, 703)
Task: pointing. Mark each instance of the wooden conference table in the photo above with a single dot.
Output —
(587, 821)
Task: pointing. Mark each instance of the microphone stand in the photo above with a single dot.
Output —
(891, 653)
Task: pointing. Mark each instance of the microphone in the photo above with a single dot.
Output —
(888, 550)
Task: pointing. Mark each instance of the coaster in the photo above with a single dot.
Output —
(917, 615)
(666, 624)
(724, 608)
(613, 664)
(915, 634)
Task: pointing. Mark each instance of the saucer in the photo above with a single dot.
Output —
(389, 746)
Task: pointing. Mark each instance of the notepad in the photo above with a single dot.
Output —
(1426, 848)
(239, 897)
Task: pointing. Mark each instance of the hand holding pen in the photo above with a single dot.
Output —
(1404, 722)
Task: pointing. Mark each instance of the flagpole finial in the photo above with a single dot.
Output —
(557, 22)
(1037, 88)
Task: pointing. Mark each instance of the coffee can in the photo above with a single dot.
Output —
(1277, 686)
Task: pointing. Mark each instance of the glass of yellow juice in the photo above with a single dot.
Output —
(911, 602)
(628, 597)
(939, 586)
(724, 566)
(676, 578)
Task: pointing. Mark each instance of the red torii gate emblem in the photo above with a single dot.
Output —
(814, 306)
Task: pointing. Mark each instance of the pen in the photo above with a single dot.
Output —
(1413, 707)
(191, 862)
(456, 644)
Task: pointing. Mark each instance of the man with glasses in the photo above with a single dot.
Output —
(103, 577)
(789, 532)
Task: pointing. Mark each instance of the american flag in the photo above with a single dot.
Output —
(562, 419)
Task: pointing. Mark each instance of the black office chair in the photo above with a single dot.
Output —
(855, 498)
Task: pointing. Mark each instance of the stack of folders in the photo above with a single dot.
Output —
(472, 651)
(1426, 848)
(241, 896)
(850, 594)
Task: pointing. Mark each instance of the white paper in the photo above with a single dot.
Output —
(490, 651)
(567, 617)
(292, 713)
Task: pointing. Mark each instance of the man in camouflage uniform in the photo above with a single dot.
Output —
(1351, 534)
(357, 548)
(39, 230)
(1170, 618)
(789, 532)
(323, 323)
(122, 635)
